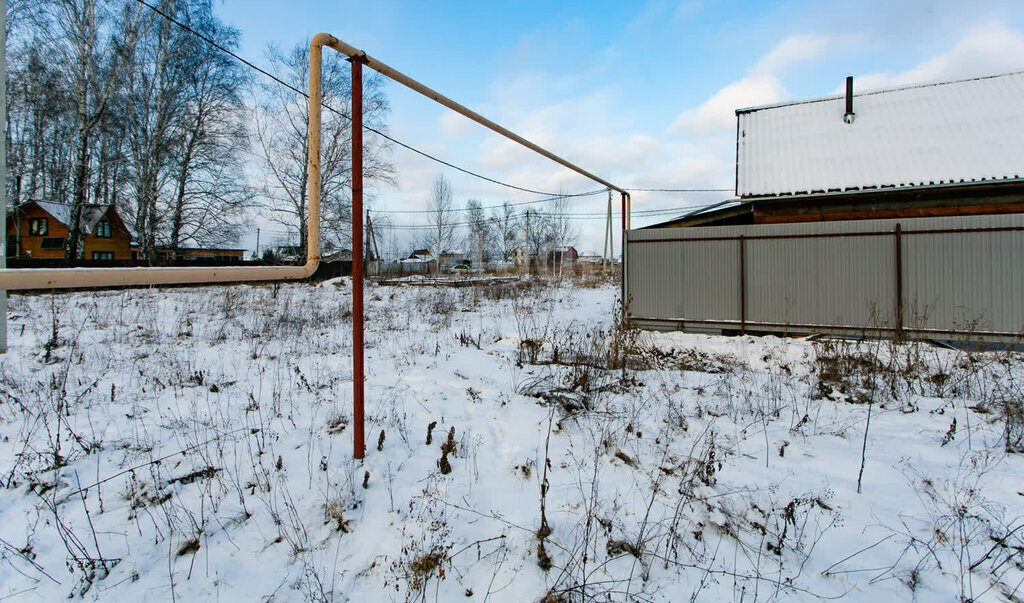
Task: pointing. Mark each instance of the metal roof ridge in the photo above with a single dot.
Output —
(883, 188)
(807, 101)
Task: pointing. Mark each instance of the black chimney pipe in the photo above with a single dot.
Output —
(849, 115)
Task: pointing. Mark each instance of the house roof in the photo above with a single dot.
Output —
(949, 132)
(417, 259)
(92, 213)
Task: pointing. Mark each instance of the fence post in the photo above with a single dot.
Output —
(900, 335)
(625, 271)
(743, 288)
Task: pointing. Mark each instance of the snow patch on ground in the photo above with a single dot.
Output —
(197, 444)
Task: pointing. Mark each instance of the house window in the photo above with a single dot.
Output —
(37, 227)
(103, 255)
(103, 230)
(52, 242)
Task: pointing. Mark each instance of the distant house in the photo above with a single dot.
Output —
(286, 253)
(420, 261)
(450, 259)
(518, 257)
(590, 257)
(564, 256)
(187, 253)
(342, 255)
(40, 230)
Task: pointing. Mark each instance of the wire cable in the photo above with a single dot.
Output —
(655, 213)
(511, 204)
(680, 190)
(341, 113)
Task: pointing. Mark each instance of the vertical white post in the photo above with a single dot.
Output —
(3, 168)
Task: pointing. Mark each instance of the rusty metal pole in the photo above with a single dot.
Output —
(357, 258)
(625, 291)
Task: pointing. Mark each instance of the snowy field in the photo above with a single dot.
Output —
(196, 445)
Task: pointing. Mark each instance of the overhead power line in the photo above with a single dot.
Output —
(341, 113)
(679, 190)
(517, 204)
(649, 213)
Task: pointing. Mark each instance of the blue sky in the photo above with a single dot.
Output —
(640, 93)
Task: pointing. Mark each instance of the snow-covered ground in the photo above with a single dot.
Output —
(196, 444)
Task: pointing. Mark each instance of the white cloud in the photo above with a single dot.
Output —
(453, 125)
(793, 49)
(719, 111)
(760, 86)
(984, 50)
(687, 10)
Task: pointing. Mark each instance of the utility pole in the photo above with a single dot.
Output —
(3, 170)
(606, 253)
(367, 249)
(372, 237)
(257, 244)
(480, 249)
(527, 250)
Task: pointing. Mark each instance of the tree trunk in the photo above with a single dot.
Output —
(74, 250)
(179, 198)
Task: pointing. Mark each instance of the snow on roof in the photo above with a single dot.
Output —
(91, 216)
(949, 132)
(92, 213)
(60, 211)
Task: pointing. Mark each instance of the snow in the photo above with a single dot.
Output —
(203, 438)
(952, 132)
(60, 211)
(91, 215)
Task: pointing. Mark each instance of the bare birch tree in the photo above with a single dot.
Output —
(95, 61)
(209, 191)
(442, 232)
(563, 231)
(154, 99)
(282, 125)
(507, 229)
(479, 231)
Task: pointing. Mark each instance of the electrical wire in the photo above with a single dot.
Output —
(341, 113)
(656, 213)
(644, 213)
(517, 204)
(679, 190)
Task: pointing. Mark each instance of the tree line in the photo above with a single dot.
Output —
(111, 103)
(495, 235)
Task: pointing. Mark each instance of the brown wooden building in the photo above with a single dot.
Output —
(39, 230)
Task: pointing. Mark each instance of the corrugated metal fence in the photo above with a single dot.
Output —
(924, 277)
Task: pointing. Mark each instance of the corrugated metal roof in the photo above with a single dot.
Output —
(60, 211)
(92, 213)
(963, 131)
